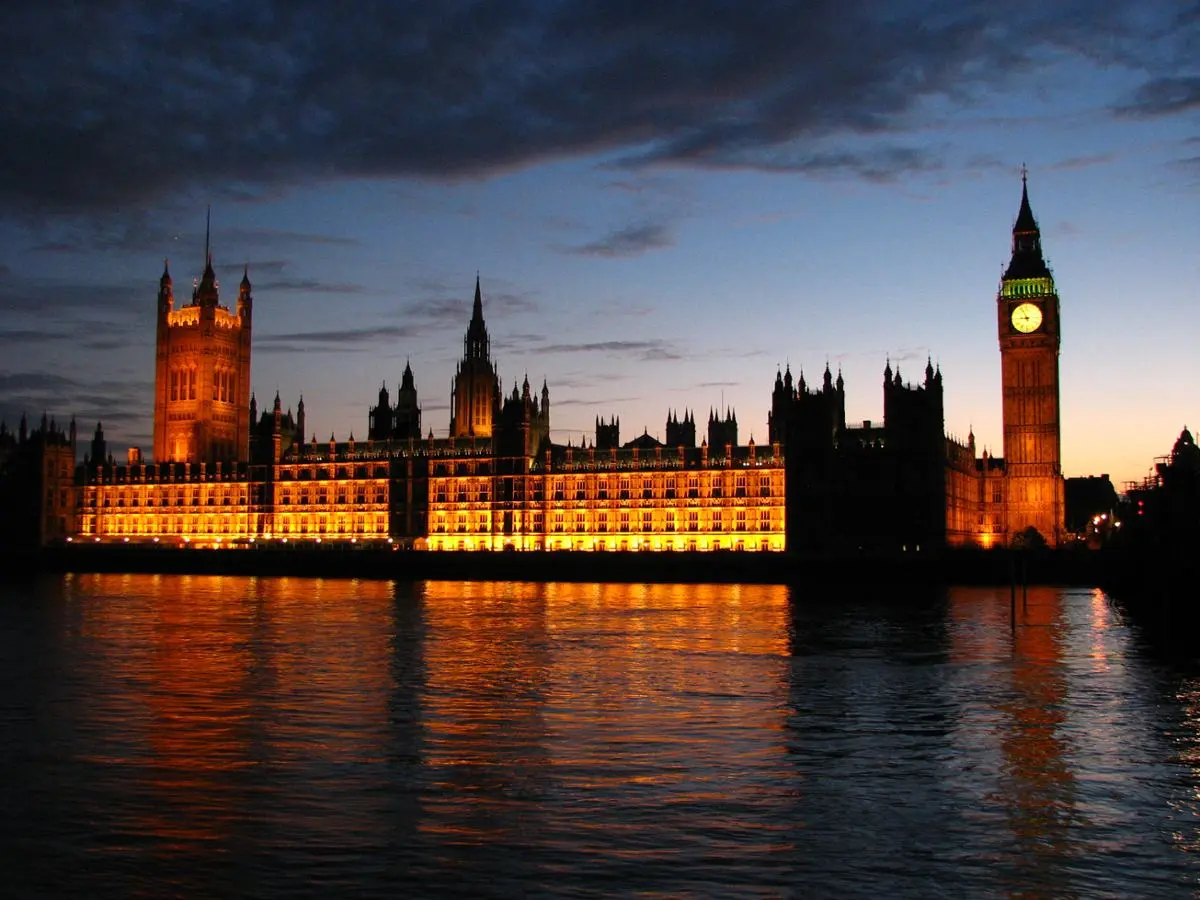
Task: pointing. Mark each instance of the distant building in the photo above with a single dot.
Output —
(1087, 497)
(1163, 510)
(37, 485)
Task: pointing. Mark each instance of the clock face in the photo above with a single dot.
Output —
(1027, 317)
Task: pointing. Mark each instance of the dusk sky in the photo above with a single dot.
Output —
(664, 201)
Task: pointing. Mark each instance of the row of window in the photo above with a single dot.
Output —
(121, 502)
(300, 473)
(235, 525)
(341, 498)
(740, 521)
(601, 544)
(634, 483)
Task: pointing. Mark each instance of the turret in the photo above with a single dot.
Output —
(99, 447)
(300, 421)
(166, 294)
(253, 411)
(245, 302)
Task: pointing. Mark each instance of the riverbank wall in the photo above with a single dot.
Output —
(984, 567)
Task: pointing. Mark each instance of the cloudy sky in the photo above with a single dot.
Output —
(664, 201)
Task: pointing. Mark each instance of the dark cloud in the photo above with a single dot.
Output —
(1072, 163)
(34, 382)
(47, 295)
(434, 302)
(1163, 96)
(123, 405)
(336, 337)
(256, 268)
(30, 335)
(117, 105)
(646, 351)
(280, 237)
(625, 242)
(512, 302)
(308, 286)
(882, 164)
(594, 402)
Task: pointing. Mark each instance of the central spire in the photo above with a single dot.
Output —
(476, 345)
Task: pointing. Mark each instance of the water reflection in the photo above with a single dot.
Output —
(1024, 715)
(612, 712)
(225, 736)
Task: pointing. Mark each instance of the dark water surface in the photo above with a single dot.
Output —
(215, 737)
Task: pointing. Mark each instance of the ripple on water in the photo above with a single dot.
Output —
(225, 736)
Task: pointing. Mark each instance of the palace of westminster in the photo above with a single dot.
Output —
(224, 475)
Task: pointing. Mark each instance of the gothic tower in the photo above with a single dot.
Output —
(408, 411)
(475, 397)
(202, 373)
(1028, 323)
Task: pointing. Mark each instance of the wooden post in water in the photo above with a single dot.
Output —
(1024, 583)
(1012, 591)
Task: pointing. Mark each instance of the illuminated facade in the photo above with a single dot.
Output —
(224, 476)
(179, 503)
(202, 373)
(664, 498)
(340, 492)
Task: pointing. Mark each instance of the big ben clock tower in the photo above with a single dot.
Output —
(1028, 322)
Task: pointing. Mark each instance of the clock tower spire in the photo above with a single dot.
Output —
(1028, 322)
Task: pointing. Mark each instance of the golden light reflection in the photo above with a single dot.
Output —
(230, 687)
(574, 690)
(1101, 622)
(1035, 785)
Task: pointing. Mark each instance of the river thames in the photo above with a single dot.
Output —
(222, 736)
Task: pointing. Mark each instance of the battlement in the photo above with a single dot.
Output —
(190, 315)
